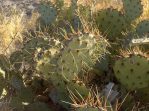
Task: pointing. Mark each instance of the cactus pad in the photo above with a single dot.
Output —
(65, 88)
(111, 23)
(143, 28)
(143, 95)
(34, 43)
(48, 13)
(80, 51)
(132, 9)
(132, 72)
(47, 63)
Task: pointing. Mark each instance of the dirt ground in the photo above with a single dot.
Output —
(25, 5)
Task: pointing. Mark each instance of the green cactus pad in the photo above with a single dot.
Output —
(69, 14)
(80, 51)
(78, 87)
(132, 9)
(143, 95)
(24, 94)
(143, 28)
(63, 87)
(48, 61)
(111, 23)
(34, 43)
(71, 10)
(48, 13)
(102, 65)
(132, 72)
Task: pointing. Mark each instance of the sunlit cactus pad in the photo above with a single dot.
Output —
(132, 9)
(80, 51)
(132, 72)
(111, 22)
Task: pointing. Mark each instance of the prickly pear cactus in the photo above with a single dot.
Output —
(47, 63)
(143, 28)
(132, 9)
(71, 10)
(64, 90)
(71, 18)
(111, 23)
(143, 95)
(80, 51)
(34, 43)
(46, 59)
(102, 65)
(22, 94)
(132, 72)
(74, 19)
(31, 46)
(48, 13)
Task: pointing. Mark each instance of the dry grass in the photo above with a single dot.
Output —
(94, 100)
(145, 14)
(32, 22)
(11, 31)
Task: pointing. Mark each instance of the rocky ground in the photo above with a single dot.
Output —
(25, 5)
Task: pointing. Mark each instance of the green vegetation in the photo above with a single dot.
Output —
(71, 53)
